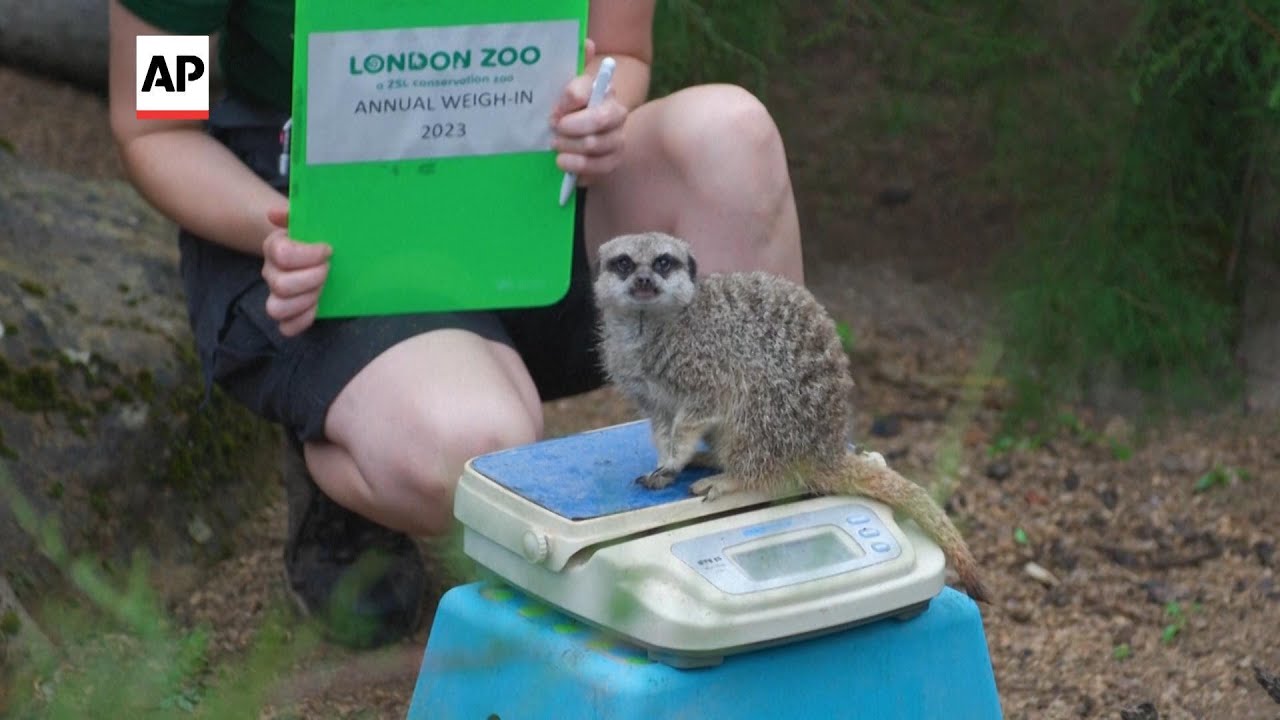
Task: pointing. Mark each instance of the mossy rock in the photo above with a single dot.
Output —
(76, 28)
(105, 428)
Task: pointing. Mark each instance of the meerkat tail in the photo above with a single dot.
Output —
(860, 476)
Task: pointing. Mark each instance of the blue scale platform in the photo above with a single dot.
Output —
(496, 654)
(587, 475)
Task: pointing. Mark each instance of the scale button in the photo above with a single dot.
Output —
(868, 532)
(859, 519)
(537, 547)
(881, 547)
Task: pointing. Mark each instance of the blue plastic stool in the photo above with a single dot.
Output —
(495, 654)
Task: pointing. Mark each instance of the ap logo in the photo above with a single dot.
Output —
(173, 77)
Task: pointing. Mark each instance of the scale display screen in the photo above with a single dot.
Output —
(791, 549)
(790, 557)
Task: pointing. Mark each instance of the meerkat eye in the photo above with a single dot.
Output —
(664, 264)
(621, 265)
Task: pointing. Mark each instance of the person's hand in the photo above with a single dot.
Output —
(295, 272)
(589, 142)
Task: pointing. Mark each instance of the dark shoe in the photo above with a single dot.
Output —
(364, 582)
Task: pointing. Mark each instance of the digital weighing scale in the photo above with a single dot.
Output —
(688, 580)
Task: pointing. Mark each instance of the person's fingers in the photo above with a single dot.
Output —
(297, 324)
(574, 97)
(587, 168)
(294, 272)
(296, 282)
(608, 140)
(289, 254)
(608, 115)
(284, 310)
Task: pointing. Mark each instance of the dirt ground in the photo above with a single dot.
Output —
(1115, 583)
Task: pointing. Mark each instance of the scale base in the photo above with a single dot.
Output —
(696, 625)
(685, 661)
(494, 652)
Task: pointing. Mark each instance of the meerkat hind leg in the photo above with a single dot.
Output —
(709, 457)
(704, 459)
(715, 486)
(679, 449)
(744, 469)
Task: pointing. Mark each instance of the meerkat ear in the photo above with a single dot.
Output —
(693, 267)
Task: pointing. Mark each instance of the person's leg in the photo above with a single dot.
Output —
(390, 409)
(396, 438)
(386, 410)
(398, 434)
(706, 164)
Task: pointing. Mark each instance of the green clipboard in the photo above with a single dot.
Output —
(420, 150)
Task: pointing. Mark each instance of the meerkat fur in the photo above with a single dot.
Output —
(750, 363)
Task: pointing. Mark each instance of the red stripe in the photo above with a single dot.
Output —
(173, 114)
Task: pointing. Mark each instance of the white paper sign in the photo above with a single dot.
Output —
(436, 92)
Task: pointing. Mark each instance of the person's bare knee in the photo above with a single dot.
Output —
(409, 421)
(451, 439)
(422, 476)
(731, 155)
(709, 125)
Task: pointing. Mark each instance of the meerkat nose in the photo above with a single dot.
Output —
(643, 286)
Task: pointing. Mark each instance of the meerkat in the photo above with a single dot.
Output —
(750, 364)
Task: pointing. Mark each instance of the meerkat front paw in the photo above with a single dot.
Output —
(657, 479)
(713, 487)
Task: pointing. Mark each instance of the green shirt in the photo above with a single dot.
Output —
(255, 48)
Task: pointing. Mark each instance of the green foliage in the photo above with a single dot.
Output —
(847, 339)
(701, 41)
(1190, 41)
(1006, 444)
(1136, 286)
(1082, 433)
(946, 47)
(118, 654)
(41, 388)
(33, 288)
(1120, 451)
(10, 624)
(950, 454)
(1177, 620)
(1219, 476)
(1126, 138)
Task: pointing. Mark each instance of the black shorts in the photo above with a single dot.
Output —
(293, 380)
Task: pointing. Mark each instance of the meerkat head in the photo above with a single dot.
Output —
(645, 272)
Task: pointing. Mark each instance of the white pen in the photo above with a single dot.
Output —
(599, 88)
